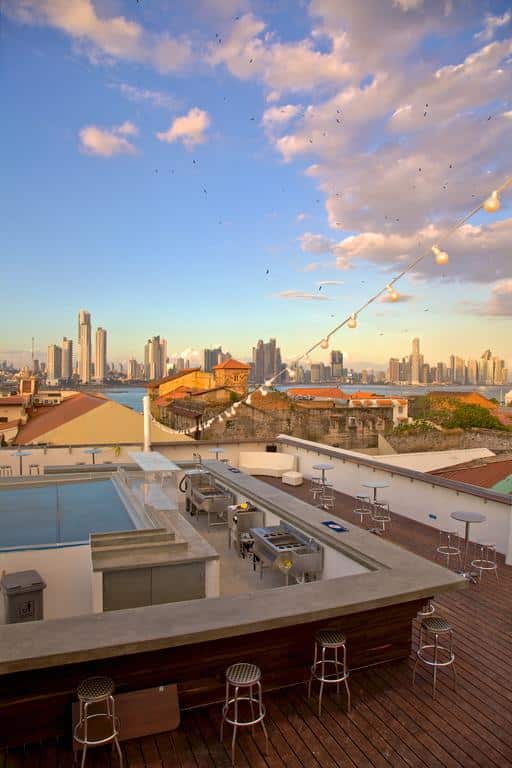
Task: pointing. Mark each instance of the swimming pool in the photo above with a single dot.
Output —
(60, 513)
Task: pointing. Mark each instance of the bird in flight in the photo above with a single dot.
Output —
(267, 271)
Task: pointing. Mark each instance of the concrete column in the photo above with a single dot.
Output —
(147, 422)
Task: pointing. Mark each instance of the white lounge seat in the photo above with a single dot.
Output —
(266, 463)
(292, 478)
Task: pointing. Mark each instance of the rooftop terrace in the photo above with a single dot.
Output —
(391, 723)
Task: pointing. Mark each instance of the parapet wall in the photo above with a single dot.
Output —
(413, 442)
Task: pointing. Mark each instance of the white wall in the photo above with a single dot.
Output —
(414, 498)
(67, 573)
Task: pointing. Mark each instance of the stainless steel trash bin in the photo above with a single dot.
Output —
(23, 596)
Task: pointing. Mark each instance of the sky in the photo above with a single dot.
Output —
(220, 171)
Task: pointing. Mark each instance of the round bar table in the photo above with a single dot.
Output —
(20, 455)
(376, 484)
(323, 469)
(467, 518)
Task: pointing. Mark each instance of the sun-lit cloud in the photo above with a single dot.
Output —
(106, 142)
(301, 296)
(499, 303)
(492, 24)
(329, 282)
(190, 129)
(145, 95)
(103, 36)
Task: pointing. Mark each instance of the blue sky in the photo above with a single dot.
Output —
(156, 163)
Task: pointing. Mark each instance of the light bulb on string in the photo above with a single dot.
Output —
(324, 344)
(492, 203)
(393, 295)
(307, 360)
(440, 255)
(291, 373)
(249, 400)
(352, 323)
(264, 391)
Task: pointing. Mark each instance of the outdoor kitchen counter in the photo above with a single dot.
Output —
(395, 577)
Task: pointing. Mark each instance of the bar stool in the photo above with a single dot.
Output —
(381, 515)
(449, 546)
(33, 469)
(486, 559)
(363, 507)
(6, 470)
(428, 652)
(97, 691)
(325, 640)
(245, 676)
(326, 498)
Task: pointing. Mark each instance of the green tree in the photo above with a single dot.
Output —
(466, 416)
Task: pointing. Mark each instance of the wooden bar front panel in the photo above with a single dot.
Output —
(37, 704)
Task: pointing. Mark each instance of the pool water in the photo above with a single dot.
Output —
(60, 513)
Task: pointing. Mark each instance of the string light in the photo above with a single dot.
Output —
(440, 255)
(492, 204)
(393, 295)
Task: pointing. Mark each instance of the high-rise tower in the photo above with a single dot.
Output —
(100, 365)
(84, 346)
(67, 358)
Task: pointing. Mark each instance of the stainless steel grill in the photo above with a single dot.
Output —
(205, 496)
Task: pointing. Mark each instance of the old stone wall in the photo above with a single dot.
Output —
(446, 440)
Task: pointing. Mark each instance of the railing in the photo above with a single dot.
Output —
(426, 498)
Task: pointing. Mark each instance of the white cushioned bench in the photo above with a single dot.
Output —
(266, 463)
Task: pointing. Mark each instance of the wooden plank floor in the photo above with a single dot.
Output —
(391, 723)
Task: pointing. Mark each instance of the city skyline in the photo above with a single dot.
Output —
(199, 171)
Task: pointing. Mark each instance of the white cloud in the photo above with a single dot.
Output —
(301, 296)
(280, 115)
(499, 303)
(492, 24)
(301, 216)
(477, 253)
(100, 36)
(311, 243)
(106, 142)
(329, 282)
(140, 95)
(250, 52)
(189, 129)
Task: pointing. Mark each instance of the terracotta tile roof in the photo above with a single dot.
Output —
(44, 420)
(9, 424)
(484, 472)
(332, 392)
(362, 395)
(165, 379)
(13, 400)
(474, 398)
(231, 364)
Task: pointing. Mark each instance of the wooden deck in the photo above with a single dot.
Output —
(391, 723)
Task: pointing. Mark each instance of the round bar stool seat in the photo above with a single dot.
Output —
(381, 515)
(428, 609)
(97, 691)
(486, 559)
(329, 670)
(248, 676)
(449, 546)
(435, 654)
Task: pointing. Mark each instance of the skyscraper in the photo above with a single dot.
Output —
(258, 358)
(133, 369)
(67, 358)
(211, 357)
(154, 365)
(394, 370)
(84, 346)
(100, 365)
(336, 364)
(266, 358)
(54, 363)
(416, 362)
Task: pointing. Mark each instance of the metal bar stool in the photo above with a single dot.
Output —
(380, 515)
(329, 639)
(33, 469)
(363, 507)
(326, 499)
(435, 654)
(485, 559)
(245, 676)
(449, 546)
(97, 691)
(6, 470)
